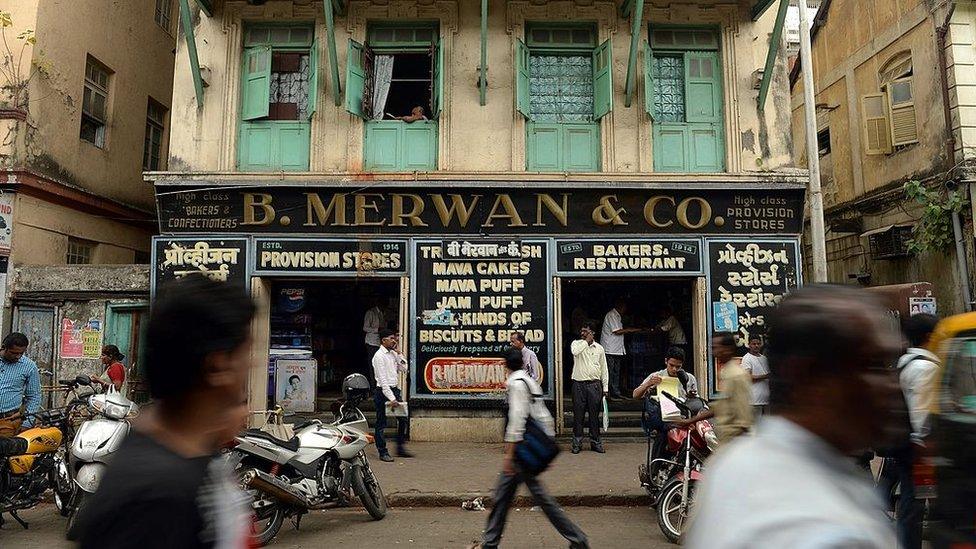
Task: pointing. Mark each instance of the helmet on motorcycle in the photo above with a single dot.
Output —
(355, 387)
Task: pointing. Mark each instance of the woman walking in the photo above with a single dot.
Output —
(114, 373)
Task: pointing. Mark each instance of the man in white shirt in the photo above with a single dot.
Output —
(612, 339)
(591, 381)
(530, 360)
(918, 369)
(794, 483)
(755, 364)
(387, 365)
(671, 326)
(373, 322)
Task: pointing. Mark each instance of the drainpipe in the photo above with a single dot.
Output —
(950, 144)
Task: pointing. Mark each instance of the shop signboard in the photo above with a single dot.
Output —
(470, 296)
(221, 259)
(625, 256)
(318, 257)
(753, 276)
(502, 208)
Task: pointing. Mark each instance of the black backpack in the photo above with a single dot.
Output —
(537, 450)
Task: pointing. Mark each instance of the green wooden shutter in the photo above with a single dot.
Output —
(355, 79)
(313, 78)
(437, 86)
(703, 85)
(602, 80)
(257, 83)
(522, 101)
(649, 79)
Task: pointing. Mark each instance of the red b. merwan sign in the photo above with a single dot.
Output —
(465, 375)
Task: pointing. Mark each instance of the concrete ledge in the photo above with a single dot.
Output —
(450, 429)
(445, 499)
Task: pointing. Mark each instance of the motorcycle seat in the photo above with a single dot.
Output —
(292, 444)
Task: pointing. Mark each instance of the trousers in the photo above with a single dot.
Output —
(613, 366)
(587, 399)
(379, 399)
(504, 494)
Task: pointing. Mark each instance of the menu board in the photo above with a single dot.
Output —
(752, 276)
(471, 296)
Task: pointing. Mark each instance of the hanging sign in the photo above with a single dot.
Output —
(629, 256)
(319, 257)
(471, 297)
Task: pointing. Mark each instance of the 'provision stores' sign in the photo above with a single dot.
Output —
(288, 256)
(629, 256)
(471, 296)
(481, 210)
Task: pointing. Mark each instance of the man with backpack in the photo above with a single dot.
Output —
(527, 417)
(917, 371)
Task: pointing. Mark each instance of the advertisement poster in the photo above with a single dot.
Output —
(922, 305)
(6, 221)
(295, 382)
(726, 317)
(72, 345)
(471, 297)
(91, 339)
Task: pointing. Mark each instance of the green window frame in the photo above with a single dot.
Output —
(563, 138)
(266, 143)
(394, 145)
(684, 99)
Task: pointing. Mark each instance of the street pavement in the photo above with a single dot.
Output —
(429, 528)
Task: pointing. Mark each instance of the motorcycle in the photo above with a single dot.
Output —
(97, 440)
(35, 457)
(690, 446)
(655, 472)
(323, 466)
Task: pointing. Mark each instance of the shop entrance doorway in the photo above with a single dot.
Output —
(649, 302)
(317, 336)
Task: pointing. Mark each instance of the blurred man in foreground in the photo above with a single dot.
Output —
(164, 489)
(794, 483)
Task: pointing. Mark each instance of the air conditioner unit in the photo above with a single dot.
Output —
(889, 242)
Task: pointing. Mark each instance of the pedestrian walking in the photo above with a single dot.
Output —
(20, 386)
(114, 373)
(795, 484)
(756, 365)
(733, 411)
(917, 372)
(530, 360)
(387, 365)
(165, 488)
(612, 339)
(525, 403)
(590, 385)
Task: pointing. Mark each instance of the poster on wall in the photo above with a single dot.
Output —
(295, 383)
(6, 221)
(72, 344)
(922, 305)
(91, 339)
(752, 276)
(471, 296)
(221, 259)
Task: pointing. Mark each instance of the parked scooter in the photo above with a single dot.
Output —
(33, 458)
(321, 467)
(690, 446)
(95, 443)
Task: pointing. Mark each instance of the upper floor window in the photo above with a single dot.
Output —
(155, 127)
(683, 95)
(889, 116)
(79, 251)
(563, 88)
(94, 105)
(164, 14)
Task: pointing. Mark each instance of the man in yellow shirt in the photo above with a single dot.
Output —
(591, 381)
(732, 408)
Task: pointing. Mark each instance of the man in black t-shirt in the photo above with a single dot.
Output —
(164, 488)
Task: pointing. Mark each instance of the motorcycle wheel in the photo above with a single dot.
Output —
(669, 516)
(63, 487)
(74, 509)
(369, 492)
(268, 523)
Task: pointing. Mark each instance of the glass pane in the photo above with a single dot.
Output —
(581, 37)
(425, 35)
(704, 38)
(300, 35)
(694, 70)
(669, 89)
(960, 390)
(901, 92)
(383, 35)
(706, 68)
(540, 35)
(280, 35)
(561, 88)
(664, 37)
(98, 105)
(403, 35)
(86, 100)
(683, 38)
(873, 107)
(561, 36)
(258, 36)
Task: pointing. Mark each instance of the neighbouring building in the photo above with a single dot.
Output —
(892, 109)
(792, 28)
(84, 110)
(465, 170)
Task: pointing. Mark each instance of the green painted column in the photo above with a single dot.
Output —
(637, 14)
(333, 58)
(191, 48)
(773, 52)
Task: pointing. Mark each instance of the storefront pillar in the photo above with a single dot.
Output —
(699, 325)
(257, 383)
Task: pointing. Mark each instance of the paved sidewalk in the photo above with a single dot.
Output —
(444, 474)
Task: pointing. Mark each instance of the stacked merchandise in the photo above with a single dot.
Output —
(291, 365)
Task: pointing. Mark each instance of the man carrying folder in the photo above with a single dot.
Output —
(673, 380)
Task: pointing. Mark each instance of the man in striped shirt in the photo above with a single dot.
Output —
(20, 386)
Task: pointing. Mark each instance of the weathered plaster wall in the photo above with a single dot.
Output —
(41, 231)
(476, 138)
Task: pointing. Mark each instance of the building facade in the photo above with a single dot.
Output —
(893, 87)
(84, 109)
(465, 170)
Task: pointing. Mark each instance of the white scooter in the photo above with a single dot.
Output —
(321, 467)
(95, 443)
